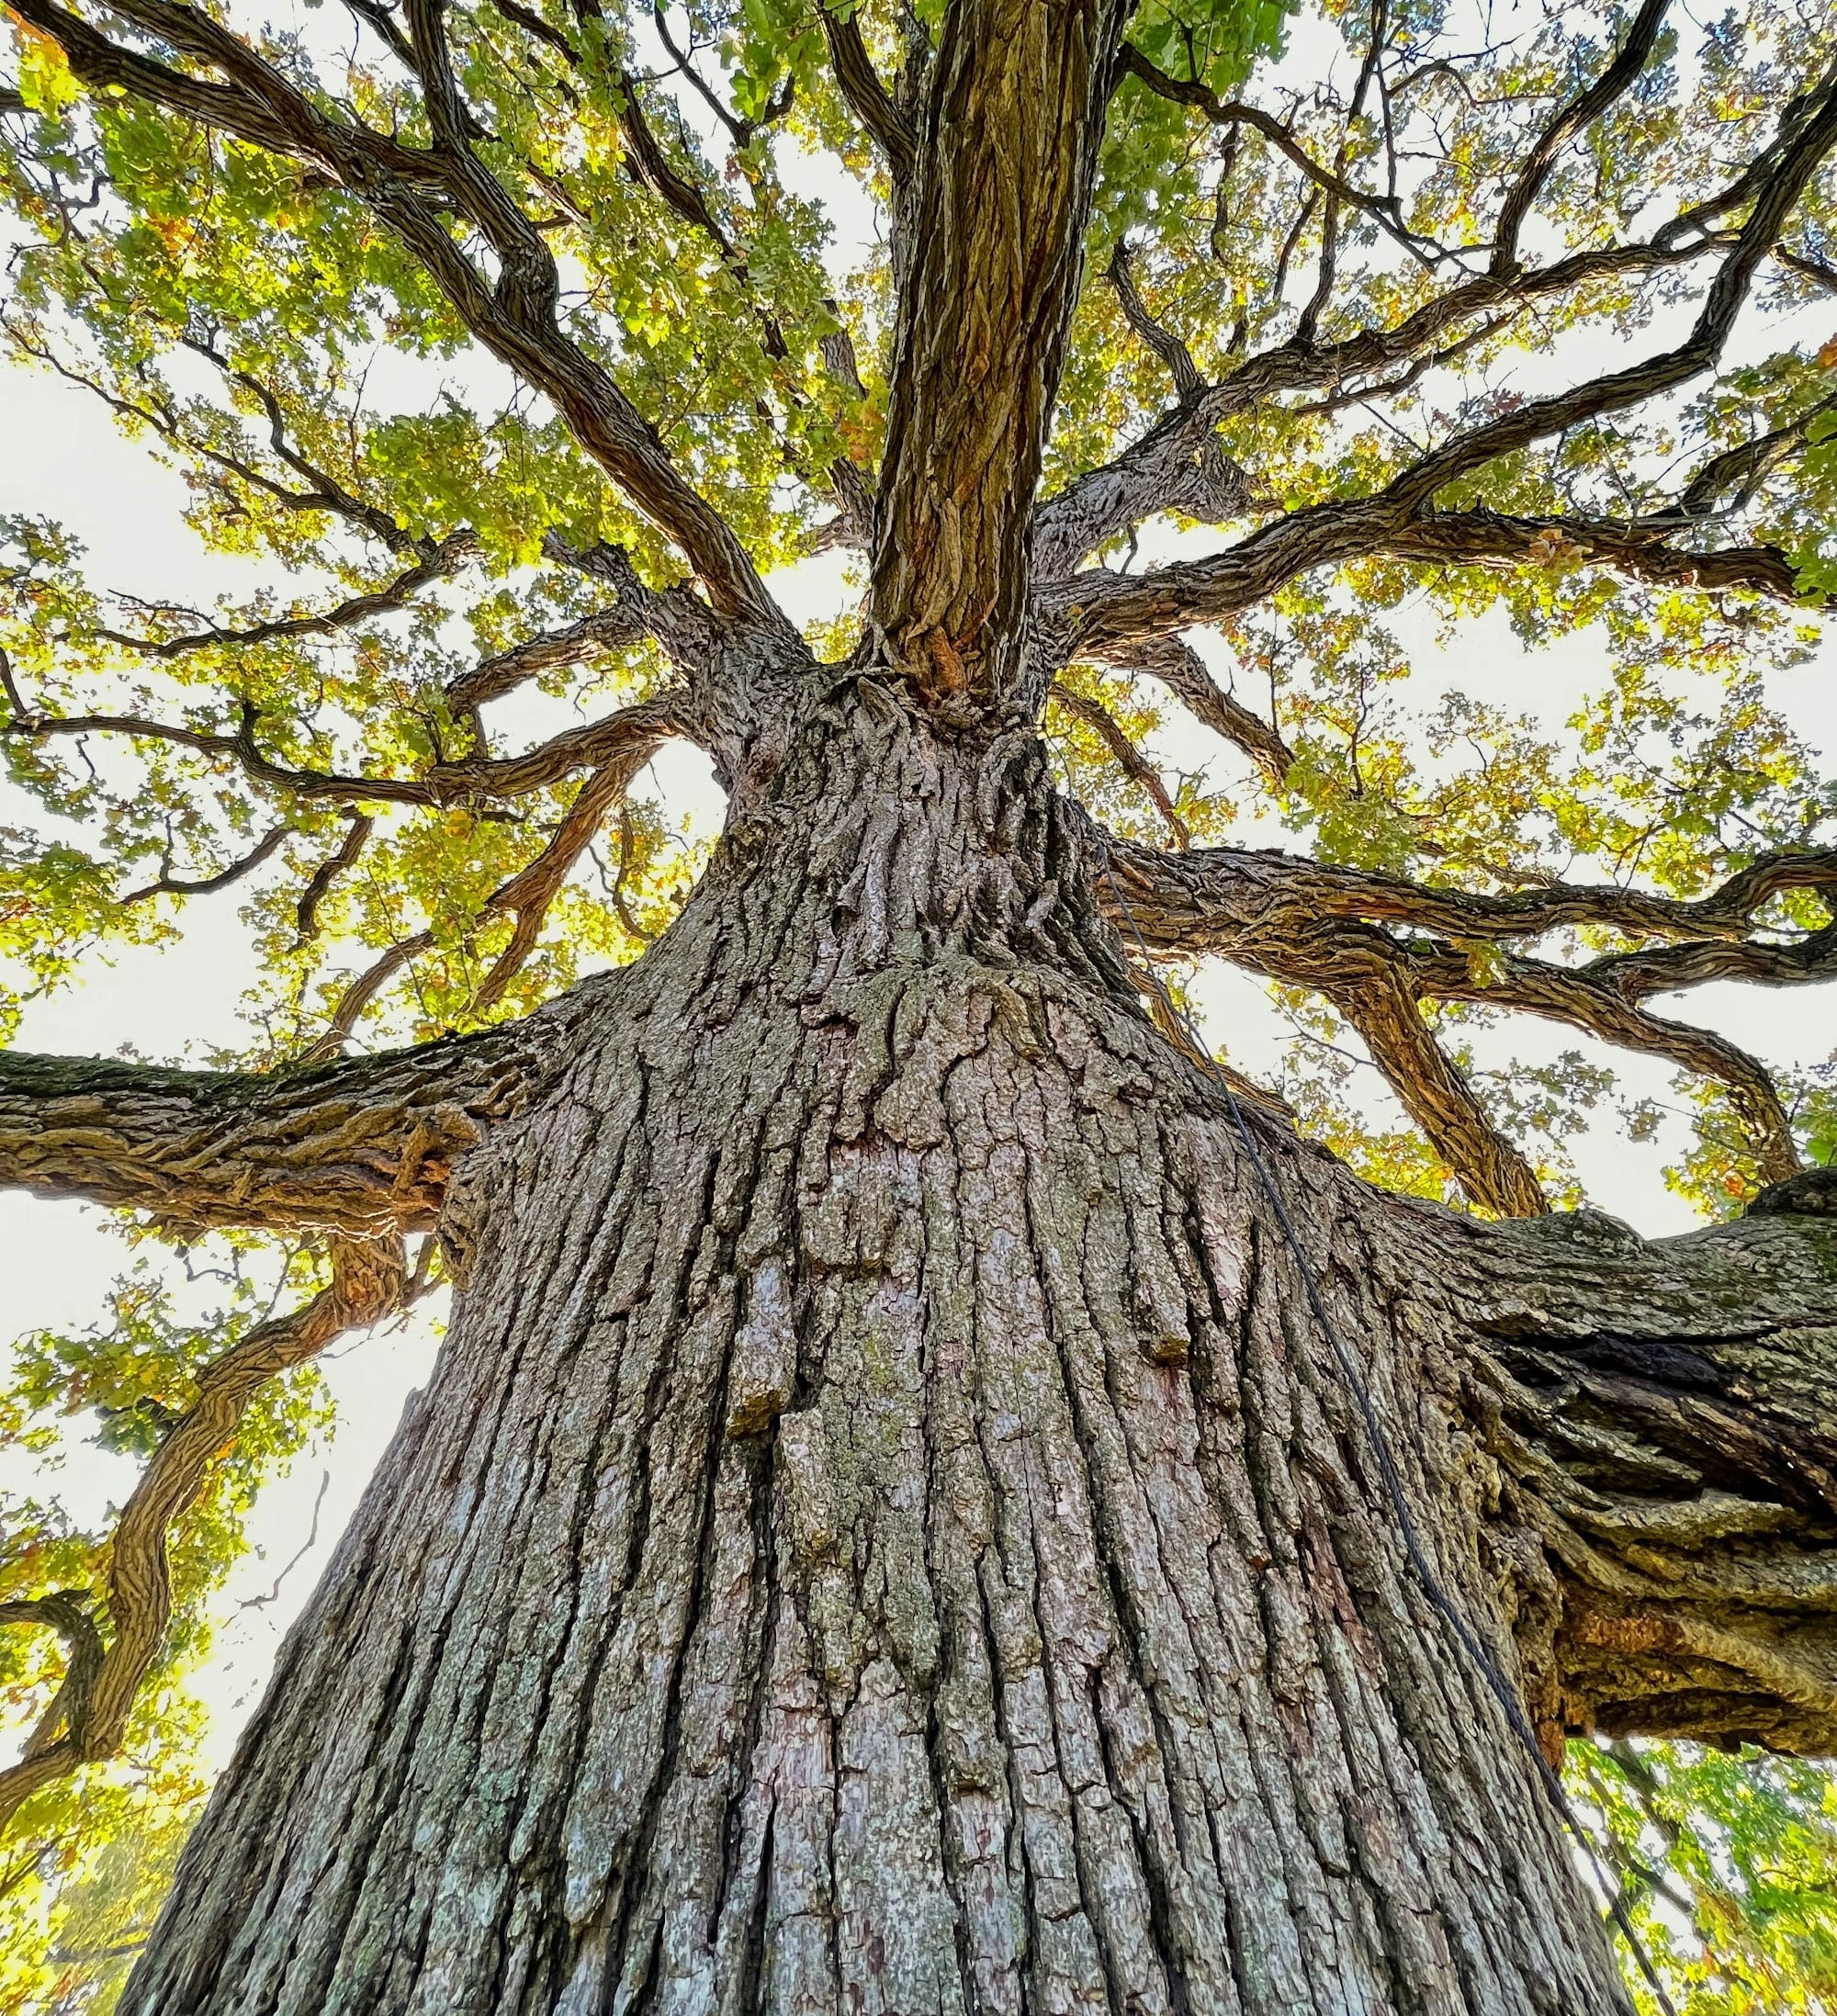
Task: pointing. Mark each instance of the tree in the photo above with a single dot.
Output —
(938, 1494)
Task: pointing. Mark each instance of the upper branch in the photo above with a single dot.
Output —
(1166, 469)
(1012, 123)
(868, 98)
(1375, 996)
(513, 316)
(1386, 211)
(1572, 119)
(1106, 612)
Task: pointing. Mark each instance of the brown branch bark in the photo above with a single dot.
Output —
(527, 895)
(1435, 1091)
(504, 671)
(1187, 383)
(1104, 612)
(344, 855)
(1183, 672)
(1662, 1425)
(1154, 473)
(362, 1147)
(867, 97)
(1183, 901)
(1013, 117)
(88, 1718)
(169, 885)
(1313, 925)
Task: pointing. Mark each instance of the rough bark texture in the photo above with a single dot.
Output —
(1013, 121)
(884, 1534)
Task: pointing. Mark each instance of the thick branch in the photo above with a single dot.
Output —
(1661, 1415)
(1187, 383)
(1303, 922)
(1154, 473)
(1201, 901)
(527, 895)
(1105, 611)
(362, 1147)
(344, 855)
(1013, 119)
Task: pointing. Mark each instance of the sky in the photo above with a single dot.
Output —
(63, 457)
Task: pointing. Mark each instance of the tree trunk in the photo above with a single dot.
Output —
(885, 1533)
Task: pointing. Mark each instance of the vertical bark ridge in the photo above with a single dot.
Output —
(883, 1538)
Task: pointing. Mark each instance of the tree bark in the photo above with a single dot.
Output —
(885, 1534)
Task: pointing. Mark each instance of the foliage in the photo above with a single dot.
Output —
(1729, 1866)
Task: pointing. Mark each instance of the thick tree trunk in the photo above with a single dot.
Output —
(884, 1533)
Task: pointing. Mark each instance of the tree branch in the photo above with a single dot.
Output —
(1156, 472)
(1183, 672)
(443, 559)
(1187, 383)
(1134, 765)
(169, 885)
(1435, 1091)
(529, 894)
(357, 833)
(514, 317)
(1384, 210)
(644, 724)
(1311, 924)
(1660, 1417)
(362, 1147)
(1015, 105)
(89, 1716)
(864, 94)
(1571, 121)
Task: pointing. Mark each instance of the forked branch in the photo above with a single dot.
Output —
(414, 191)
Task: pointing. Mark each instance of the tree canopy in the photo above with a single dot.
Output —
(519, 348)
